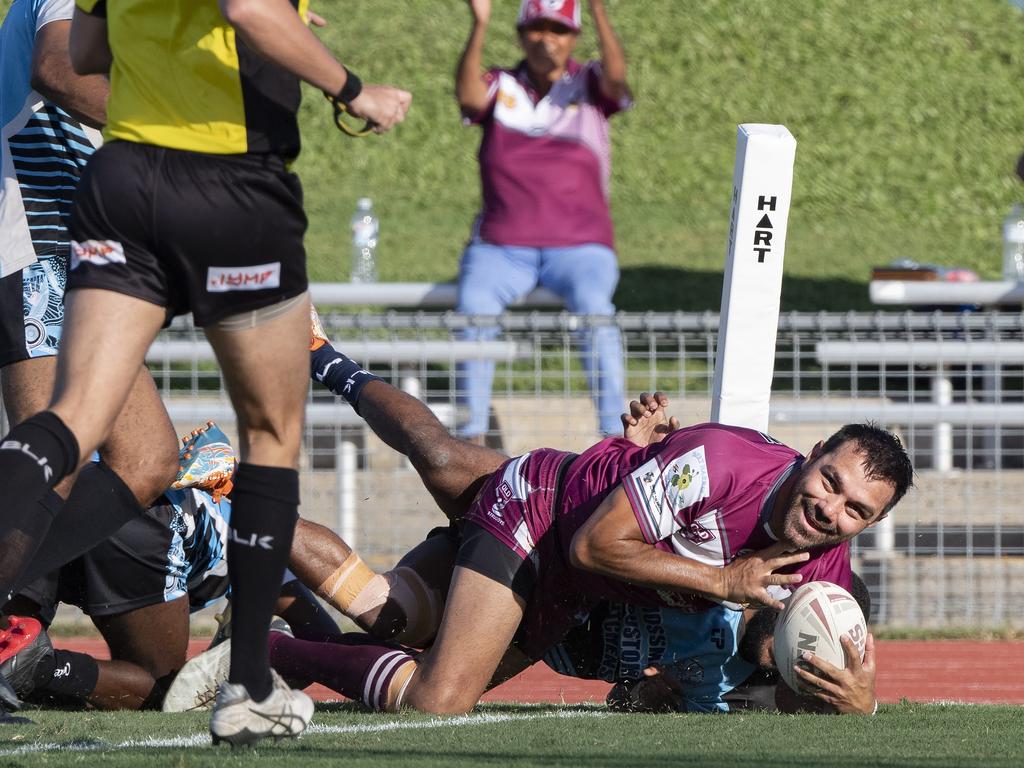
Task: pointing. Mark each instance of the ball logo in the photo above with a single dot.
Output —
(258, 277)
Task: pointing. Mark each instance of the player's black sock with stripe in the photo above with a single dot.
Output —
(34, 456)
(66, 675)
(99, 504)
(340, 374)
(264, 507)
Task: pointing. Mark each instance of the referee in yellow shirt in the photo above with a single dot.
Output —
(190, 207)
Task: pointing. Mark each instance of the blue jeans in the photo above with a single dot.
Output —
(493, 276)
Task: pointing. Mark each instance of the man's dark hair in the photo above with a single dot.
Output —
(885, 458)
(860, 593)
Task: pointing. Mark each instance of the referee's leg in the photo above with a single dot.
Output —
(265, 368)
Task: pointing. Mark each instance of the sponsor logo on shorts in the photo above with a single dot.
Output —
(258, 277)
(98, 252)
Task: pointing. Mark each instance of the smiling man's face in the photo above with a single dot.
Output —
(832, 500)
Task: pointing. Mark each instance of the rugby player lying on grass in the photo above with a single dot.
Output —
(549, 535)
(139, 587)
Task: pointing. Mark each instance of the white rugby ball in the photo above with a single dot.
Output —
(816, 616)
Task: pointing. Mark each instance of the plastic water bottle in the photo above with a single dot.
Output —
(1013, 244)
(365, 230)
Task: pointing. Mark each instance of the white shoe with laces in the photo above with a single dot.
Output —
(237, 719)
(195, 685)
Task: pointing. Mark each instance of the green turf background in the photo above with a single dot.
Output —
(901, 735)
(908, 116)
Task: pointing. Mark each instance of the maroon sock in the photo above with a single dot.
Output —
(355, 665)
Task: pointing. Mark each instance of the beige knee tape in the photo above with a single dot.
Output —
(343, 587)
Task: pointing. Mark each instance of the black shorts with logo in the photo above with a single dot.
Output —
(215, 235)
(165, 553)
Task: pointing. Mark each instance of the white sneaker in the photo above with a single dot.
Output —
(195, 685)
(237, 719)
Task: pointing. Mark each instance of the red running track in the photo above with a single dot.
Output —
(941, 670)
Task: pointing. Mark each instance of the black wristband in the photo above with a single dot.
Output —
(351, 90)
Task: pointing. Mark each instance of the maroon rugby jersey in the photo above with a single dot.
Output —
(705, 492)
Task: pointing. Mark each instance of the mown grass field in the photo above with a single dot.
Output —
(906, 735)
(908, 117)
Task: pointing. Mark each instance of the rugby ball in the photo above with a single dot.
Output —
(816, 616)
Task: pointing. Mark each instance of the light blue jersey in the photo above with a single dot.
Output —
(43, 148)
(699, 649)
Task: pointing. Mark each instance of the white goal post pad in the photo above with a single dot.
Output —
(762, 188)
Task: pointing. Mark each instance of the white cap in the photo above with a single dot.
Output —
(364, 203)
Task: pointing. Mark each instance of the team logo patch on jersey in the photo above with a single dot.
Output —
(258, 277)
(98, 252)
(698, 534)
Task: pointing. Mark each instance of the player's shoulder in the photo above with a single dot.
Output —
(726, 436)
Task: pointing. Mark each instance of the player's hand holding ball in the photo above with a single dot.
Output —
(823, 650)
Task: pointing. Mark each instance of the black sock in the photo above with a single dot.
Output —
(34, 456)
(264, 507)
(68, 675)
(98, 505)
(340, 374)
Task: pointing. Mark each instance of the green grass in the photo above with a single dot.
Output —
(905, 735)
(907, 117)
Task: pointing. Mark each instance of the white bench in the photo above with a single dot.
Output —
(425, 351)
(941, 293)
(411, 295)
(940, 410)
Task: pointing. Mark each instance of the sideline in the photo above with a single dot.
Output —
(200, 740)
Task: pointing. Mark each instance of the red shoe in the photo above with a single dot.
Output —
(23, 644)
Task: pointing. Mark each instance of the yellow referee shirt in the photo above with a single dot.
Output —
(182, 79)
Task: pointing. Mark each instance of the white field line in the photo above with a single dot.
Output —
(203, 739)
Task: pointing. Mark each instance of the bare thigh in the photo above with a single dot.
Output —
(266, 370)
(155, 637)
(141, 446)
(480, 620)
(97, 369)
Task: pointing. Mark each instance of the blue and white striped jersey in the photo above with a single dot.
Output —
(43, 148)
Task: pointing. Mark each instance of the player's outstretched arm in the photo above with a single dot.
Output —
(612, 544)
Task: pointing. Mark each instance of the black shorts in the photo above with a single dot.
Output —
(162, 555)
(215, 235)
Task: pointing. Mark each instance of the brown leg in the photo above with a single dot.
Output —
(452, 470)
(154, 638)
(480, 620)
(121, 685)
